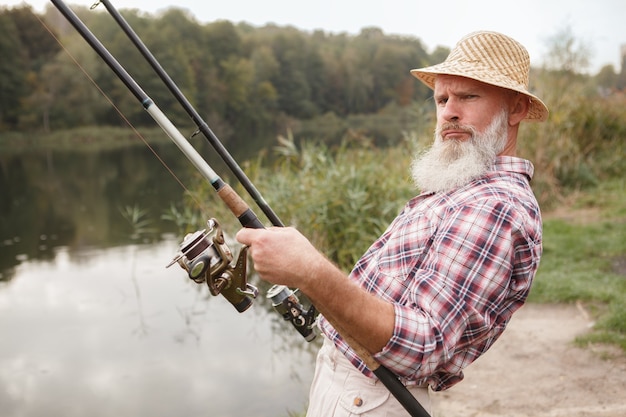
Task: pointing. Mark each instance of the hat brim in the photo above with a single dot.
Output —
(537, 111)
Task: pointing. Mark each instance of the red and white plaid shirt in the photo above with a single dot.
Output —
(456, 265)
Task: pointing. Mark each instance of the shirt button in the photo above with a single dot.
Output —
(358, 401)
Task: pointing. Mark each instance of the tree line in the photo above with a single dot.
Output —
(243, 80)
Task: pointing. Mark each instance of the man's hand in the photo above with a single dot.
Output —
(282, 255)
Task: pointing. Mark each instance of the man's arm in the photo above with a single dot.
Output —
(284, 256)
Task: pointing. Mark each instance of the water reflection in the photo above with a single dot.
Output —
(117, 334)
(93, 324)
(74, 198)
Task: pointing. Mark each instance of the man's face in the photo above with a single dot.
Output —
(465, 102)
(472, 130)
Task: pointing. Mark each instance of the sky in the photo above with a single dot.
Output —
(600, 25)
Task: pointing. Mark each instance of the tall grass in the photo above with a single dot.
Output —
(342, 195)
(342, 198)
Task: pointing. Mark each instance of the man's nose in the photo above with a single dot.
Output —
(450, 112)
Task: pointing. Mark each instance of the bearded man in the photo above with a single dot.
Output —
(439, 286)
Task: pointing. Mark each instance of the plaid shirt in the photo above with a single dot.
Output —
(456, 265)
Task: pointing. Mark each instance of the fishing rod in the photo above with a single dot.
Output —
(205, 255)
(209, 261)
(203, 127)
(206, 259)
(283, 299)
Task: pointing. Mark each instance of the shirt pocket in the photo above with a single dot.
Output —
(404, 249)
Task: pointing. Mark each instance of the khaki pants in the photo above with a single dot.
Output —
(340, 390)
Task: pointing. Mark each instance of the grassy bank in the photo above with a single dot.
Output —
(584, 259)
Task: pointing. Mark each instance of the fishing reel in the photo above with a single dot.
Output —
(288, 305)
(208, 259)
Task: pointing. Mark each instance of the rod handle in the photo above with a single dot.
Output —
(237, 205)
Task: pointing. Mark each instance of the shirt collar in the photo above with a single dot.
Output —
(513, 164)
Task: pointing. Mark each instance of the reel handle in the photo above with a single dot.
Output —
(288, 305)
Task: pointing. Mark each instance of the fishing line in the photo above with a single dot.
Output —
(121, 114)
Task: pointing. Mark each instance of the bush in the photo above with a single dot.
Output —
(580, 145)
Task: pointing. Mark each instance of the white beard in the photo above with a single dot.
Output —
(453, 163)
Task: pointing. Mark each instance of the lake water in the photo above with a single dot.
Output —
(93, 324)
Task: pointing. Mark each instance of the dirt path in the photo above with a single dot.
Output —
(534, 370)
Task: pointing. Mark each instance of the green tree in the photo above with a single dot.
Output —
(177, 42)
(291, 49)
(245, 81)
(71, 99)
(359, 82)
(223, 40)
(264, 94)
(13, 70)
(35, 38)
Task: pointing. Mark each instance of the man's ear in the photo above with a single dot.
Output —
(518, 109)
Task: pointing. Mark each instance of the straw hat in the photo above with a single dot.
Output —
(492, 58)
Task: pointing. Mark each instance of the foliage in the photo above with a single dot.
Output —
(248, 81)
(252, 84)
(186, 218)
(342, 198)
(386, 128)
(567, 53)
(139, 222)
(25, 46)
(580, 146)
(13, 81)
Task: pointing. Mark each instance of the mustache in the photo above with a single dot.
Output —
(455, 126)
